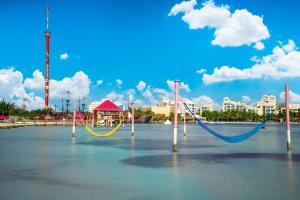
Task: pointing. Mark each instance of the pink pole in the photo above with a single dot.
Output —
(132, 119)
(74, 119)
(287, 114)
(175, 116)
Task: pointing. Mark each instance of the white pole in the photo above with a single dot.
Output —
(93, 119)
(111, 120)
(287, 114)
(74, 119)
(132, 119)
(184, 119)
(175, 117)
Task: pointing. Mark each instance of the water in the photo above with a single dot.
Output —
(46, 163)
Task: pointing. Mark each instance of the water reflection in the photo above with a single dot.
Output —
(159, 161)
(132, 143)
(290, 170)
(73, 148)
(174, 162)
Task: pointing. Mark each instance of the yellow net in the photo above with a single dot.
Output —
(92, 132)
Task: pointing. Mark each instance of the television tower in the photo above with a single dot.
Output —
(47, 34)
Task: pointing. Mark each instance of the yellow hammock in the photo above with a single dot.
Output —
(91, 131)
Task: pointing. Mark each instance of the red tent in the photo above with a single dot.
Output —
(79, 115)
(108, 106)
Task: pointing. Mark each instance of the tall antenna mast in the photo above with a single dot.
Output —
(47, 35)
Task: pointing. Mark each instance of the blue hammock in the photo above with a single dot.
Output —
(230, 139)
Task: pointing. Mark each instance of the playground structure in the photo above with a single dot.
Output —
(106, 113)
(230, 139)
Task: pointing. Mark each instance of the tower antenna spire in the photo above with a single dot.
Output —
(47, 18)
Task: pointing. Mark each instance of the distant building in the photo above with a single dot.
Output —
(165, 106)
(164, 101)
(229, 105)
(292, 107)
(195, 108)
(208, 107)
(95, 104)
(266, 105)
(166, 110)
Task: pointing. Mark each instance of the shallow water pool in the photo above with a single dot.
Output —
(47, 163)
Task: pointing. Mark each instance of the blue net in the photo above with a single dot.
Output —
(230, 139)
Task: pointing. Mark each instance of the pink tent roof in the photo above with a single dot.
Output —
(108, 106)
(79, 115)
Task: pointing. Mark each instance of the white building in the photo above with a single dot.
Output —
(194, 107)
(164, 101)
(266, 105)
(229, 105)
(292, 107)
(94, 105)
(208, 107)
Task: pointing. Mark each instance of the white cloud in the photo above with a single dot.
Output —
(182, 86)
(293, 97)
(130, 94)
(115, 97)
(259, 46)
(163, 93)
(119, 82)
(284, 62)
(185, 87)
(12, 89)
(201, 71)
(290, 46)
(171, 84)
(202, 100)
(242, 28)
(64, 56)
(246, 99)
(138, 103)
(37, 82)
(231, 29)
(141, 85)
(10, 79)
(30, 100)
(78, 85)
(99, 82)
(209, 15)
(185, 6)
(147, 94)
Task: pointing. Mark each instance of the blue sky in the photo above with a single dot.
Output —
(136, 40)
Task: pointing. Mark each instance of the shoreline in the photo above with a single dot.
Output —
(18, 124)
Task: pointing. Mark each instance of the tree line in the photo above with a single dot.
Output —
(10, 109)
(235, 115)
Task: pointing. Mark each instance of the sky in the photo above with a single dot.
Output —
(112, 48)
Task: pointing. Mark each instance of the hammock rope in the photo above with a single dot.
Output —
(230, 139)
(92, 132)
